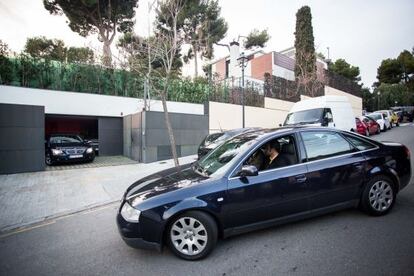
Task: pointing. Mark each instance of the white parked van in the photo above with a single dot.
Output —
(330, 111)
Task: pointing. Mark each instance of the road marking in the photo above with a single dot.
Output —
(24, 229)
(52, 220)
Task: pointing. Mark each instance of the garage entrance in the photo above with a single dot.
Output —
(105, 133)
(86, 127)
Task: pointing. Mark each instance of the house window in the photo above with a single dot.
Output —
(227, 68)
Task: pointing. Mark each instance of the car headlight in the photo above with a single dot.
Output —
(57, 151)
(129, 213)
(89, 150)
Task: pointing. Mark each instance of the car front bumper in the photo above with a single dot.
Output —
(133, 235)
(65, 158)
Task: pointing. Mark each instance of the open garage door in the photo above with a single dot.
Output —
(86, 127)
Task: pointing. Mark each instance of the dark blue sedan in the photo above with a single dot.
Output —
(260, 179)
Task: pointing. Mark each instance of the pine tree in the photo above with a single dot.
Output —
(304, 43)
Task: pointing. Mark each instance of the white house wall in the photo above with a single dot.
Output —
(75, 103)
(269, 117)
(281, 72)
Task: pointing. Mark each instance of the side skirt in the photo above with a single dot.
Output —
(291, 218)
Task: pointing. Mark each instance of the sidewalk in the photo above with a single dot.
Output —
(30, 198)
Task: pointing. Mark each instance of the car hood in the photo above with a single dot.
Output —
(163, 182)
(68, 145)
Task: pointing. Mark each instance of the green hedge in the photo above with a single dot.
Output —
(25, 71)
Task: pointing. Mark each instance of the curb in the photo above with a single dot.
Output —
(20, 227)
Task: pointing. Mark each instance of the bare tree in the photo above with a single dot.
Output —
(158, 53)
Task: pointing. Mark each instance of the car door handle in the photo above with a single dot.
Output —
(300, 178)
(358, 165)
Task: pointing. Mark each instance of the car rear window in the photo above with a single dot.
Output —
(359, 143)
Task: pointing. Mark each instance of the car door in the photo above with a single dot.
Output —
(335, 168)
(271, 194)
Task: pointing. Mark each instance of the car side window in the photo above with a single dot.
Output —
(360, 144)
(328, 115)
(276, 153)
(320, 144)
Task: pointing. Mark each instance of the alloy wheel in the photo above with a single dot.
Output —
(381, 196)
(189, 236)
(48, 160)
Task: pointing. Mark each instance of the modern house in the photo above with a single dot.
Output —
(280, 65)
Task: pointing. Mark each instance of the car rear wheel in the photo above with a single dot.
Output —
(192, 235)
(379, 196)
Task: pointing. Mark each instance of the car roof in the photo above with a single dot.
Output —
(263, 132)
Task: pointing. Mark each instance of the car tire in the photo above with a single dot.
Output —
(182, 235)
(384, 129)
(379, 196)
(378, 130)
(48, 160)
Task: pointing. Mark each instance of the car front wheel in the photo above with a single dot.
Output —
(48, 160)
(379, 196)
(192, 235)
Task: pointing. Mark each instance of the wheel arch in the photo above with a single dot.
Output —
(388, 172)
(172, 215)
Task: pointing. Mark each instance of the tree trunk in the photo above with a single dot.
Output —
(195, 61)
(169, 128)
(107, 54)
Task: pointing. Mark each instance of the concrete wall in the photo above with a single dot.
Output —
(75, 103)
(356, 102)
(224, 116)
(22, 147)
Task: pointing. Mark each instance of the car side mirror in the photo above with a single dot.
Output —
(325, 122)
(248, 170)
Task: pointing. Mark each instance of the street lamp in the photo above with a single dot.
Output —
(243, 63)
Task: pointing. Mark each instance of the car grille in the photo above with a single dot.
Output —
(74, 151)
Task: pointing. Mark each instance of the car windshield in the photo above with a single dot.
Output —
(375, 116)
(65, 139)
(220, 159)
(213, 137)
(304, 117)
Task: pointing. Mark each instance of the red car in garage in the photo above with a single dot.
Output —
(367, 126)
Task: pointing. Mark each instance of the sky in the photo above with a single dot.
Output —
(363, 32)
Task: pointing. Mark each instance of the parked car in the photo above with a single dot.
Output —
(214, 140)
(390, 116)
(62, 148)
(373, 126)
(395, 118)
(95, 144)
(361, 127)
(381, 120)
(228, 192)
(329, 111)
(400, 116)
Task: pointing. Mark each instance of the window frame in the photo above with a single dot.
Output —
(296, 140)
(352, 151)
